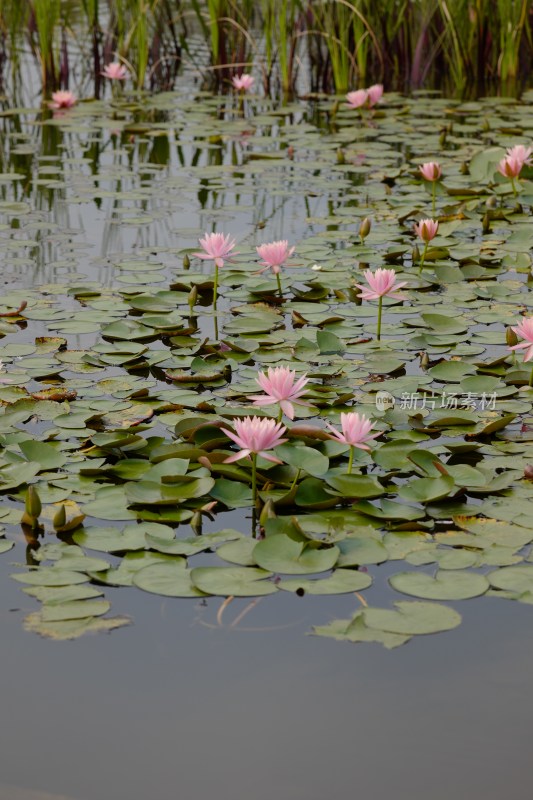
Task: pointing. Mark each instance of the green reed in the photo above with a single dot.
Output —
(47, 18)
(455, 44)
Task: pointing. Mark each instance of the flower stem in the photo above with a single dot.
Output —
(279, 285)
(531, 378)
(295, 481)
(433, 195)
(280, 415)
(380, 311)
(254, 480)
(215, 293)
(513, 186)
(423, 258)
(215, 289)
(350, 460)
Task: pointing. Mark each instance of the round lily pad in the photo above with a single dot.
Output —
(445, 585)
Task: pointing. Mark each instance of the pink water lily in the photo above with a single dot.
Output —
(63, 99)
(255, 436)
(427, 229)
(525, 330)
(355, 433)
(357, 99)
(375, 93)
(355, 430)
(380, 283)
(243, 83)
(115, 71)
(431, 170)
(520, 152)
(280, 386)
(217, 247)
(274, 254)
(510, 167)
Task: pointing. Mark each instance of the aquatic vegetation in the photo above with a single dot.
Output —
(218, 248)
(381, 283)
(119, 396)
(63, 99)
(426, 229)
(525, 331)
(115, 71)
(357, 99)
(275, 255)
(282, 387)
(332, 45)
(243, 82)
(256, 436)
(355, 433)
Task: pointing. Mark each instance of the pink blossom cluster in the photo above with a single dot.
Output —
(365, 97)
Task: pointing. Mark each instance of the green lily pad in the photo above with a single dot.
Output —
(233, 581)
(342, 581)
(412, 618)
(280, 553)
(445, 585)
(171, 579)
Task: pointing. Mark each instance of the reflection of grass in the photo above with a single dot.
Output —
(342, 43)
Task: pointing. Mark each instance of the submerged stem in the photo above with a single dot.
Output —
(380, 311)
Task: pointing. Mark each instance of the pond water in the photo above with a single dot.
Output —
(113, 389)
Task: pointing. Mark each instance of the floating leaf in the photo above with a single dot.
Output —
(445, 585)
(280, 553)
(412, 618)
(233, 581)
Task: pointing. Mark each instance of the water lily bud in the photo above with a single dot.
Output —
(267, 512)
(415, 254)
(424, 360)
(442, 137)
(186, 261)
(510, 337)
(463, 169)
(528, 472)
(340, 156)
(365, 227)
(33, 503)
(492, 201)
(60, 517)
(193, 297)
(196, 523)
(486, 222)
(226, 372)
